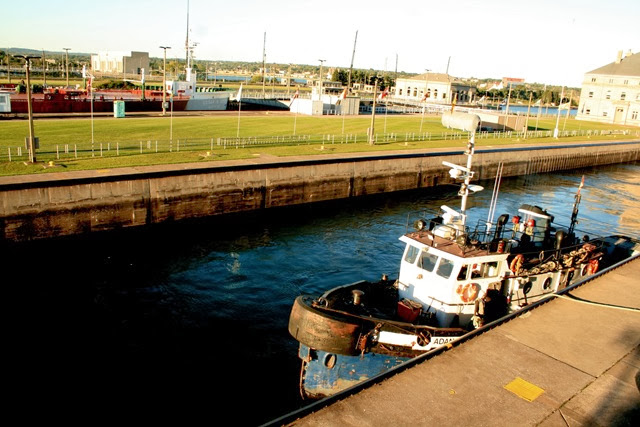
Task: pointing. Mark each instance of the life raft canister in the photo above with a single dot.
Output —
(468, 292)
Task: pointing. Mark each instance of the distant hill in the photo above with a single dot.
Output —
(35, 52)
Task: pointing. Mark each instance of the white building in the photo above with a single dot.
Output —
(5, 102)
(439, 88)
(120, 62)
(611, 94)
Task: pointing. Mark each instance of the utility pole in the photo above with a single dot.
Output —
(164, 80)
(32, 142)
(67, 60)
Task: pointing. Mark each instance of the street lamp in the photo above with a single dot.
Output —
(32, 144)
(67, 54)
(164, 80)
(321, 62)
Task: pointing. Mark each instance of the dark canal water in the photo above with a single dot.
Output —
(191, 319)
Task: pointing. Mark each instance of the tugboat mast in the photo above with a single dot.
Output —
(466, 122)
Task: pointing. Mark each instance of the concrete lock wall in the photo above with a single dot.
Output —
(42, 207)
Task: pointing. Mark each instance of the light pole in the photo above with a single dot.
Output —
(321, 62)
(372, 139)
(66, 49)
(164, 80)
(32, 144)
(555, 131)
(426, 87)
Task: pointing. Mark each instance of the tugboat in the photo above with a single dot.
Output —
(452, 279)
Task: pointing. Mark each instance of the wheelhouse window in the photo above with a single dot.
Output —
(480, 271)
(445, 268)
(427, 261)
(412, 254)
(462, 275)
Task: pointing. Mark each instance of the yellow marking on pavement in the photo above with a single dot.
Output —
(524, 389)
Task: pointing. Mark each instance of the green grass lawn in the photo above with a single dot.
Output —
(117, 142)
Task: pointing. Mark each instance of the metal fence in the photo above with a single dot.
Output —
(207, 146)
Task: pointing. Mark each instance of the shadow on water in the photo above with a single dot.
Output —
(188, 317)
(191, 318)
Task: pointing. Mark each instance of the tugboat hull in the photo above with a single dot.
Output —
(324, 373)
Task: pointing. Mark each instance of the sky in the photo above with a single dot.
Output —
(544, 41)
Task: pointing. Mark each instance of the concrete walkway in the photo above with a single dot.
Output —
(565, 363)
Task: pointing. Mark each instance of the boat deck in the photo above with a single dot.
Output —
(562, 363)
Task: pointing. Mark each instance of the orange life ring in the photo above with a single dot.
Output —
(516, 263)
(468, 292)
(592, 267)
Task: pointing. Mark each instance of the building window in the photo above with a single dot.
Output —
(409, 91)
(588, 111)
(608, 94)
(415, 92)
(590, 94)
(593, 79)
(400, 92)
(435, 93)
(604, 114)
(444, 95)
(634, 115)
(611, 81)
(623, 96)
(626, 82)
